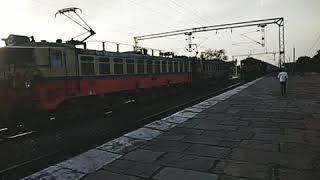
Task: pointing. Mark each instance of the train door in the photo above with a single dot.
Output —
(72, 84)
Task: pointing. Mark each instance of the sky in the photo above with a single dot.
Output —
(121, 20)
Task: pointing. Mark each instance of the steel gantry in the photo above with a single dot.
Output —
(259, 23)
(254, 54)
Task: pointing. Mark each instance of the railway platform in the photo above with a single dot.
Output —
(250, 132)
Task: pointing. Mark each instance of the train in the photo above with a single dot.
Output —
(41, 78)
(252, 68)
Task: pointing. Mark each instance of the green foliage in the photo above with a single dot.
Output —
(317, 56)
(211, 54)
(308, 64)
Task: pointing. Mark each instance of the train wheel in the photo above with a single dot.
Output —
(139, 98)
(15, 119)
(68, 111)
(151, 95)
(38, 120)
(11, 124)
(93, 107)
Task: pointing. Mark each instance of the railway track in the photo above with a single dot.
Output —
(6, 135)
(187, 104)
(22, 169)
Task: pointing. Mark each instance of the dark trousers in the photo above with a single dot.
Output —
(283, 87)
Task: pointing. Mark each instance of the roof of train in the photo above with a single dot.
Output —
(24, 42)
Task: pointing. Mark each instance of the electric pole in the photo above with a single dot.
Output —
(294, 60)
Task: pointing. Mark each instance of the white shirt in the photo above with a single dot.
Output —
(283, 76)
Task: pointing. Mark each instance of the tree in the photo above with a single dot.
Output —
(303, 63)
(211, 54)
(317, 56)
(316, 62)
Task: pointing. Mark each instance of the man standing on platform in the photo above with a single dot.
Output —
(283, 77)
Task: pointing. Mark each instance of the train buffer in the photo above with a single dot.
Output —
(250, 132)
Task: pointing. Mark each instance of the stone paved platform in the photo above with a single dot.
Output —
(248, 133)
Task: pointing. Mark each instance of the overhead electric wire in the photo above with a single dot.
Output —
(174, 2)
(196, 13)
(314, 44)
(193, 11)
(151, 10)
(211, 19)
(44, 3)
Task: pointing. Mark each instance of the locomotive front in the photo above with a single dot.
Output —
(17, 69)
(15, 81)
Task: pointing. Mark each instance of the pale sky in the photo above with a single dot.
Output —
(121, 20)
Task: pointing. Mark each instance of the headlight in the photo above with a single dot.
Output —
(27, 84)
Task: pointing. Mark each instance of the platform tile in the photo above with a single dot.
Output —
(185, 114)
(208, 151)
(121, 145)
(176, 119)
(242, 169)
(143, 134)
(55, 172)
(166, 146)
(105, 175)
(89, 161)
(184, 161)
(141, 155)
(194, 109)
(133, 168)
(169, 173)
(161, 125)
(203, 104)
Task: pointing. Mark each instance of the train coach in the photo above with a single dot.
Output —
(252, 68)
(43, 78)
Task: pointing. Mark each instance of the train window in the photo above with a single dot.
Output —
(188, 65)
(87, 59)
(104, 66)
(104, 60)
(56, 59)
(140, 66)
(164, 66)
(87, 65)
(149, 67)
(181, 66)
(130, 66)
(118, 66)
(176, 66)
(170, 66)
(185, 66)
(157, 67)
